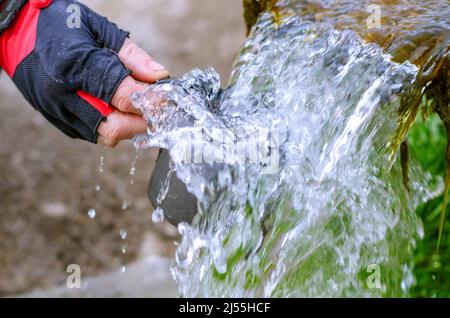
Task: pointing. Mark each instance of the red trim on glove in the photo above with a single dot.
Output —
(97, 103)
(40, 4)
(18, 41)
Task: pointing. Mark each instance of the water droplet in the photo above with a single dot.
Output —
(124, 249)
(123, 234)
(132, 182)
(125, 205)
(124, 269)
(158, 216)
(92, 213)
(102, 164)
(98, 188)
(133, 165)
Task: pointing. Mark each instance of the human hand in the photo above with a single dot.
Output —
(126, 121)
(79, 76)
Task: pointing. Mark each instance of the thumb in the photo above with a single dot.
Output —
(144, 68)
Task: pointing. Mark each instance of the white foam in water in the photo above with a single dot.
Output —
(319, 210)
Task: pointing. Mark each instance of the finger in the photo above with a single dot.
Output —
(120, 126)
(144, 68)
(93, 70)
(121, 99)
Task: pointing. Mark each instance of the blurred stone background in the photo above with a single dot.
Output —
(48, 181)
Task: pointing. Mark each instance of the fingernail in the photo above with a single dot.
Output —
(155, 66)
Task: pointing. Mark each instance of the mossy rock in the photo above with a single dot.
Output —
(253, 8)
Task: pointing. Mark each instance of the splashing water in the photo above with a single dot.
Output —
(158, 216)
(318, 206)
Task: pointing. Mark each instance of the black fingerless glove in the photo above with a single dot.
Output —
(63, 58)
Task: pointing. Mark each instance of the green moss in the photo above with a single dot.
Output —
(231, 263)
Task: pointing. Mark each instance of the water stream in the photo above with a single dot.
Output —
(308, 199)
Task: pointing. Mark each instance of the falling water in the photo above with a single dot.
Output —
(318, 207)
